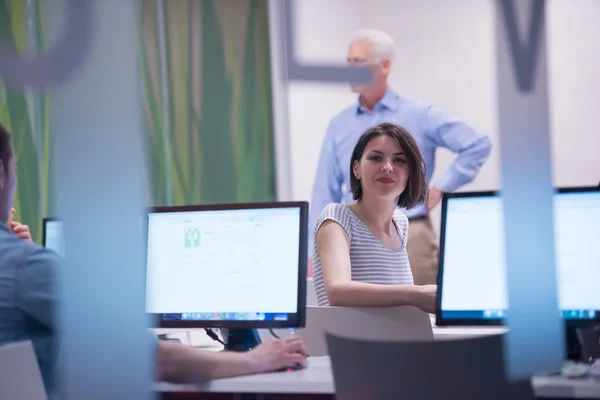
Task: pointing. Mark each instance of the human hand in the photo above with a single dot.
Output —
(434, 198)
(278, 353)
(425, 299)
(20, 230)
(11, 215)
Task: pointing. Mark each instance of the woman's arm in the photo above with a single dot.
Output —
(333, 246)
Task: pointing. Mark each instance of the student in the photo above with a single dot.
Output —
(360, 257)
(28, 296)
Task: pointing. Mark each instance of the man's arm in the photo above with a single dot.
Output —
(327, 187)
(183, 364)
(471, 147)
(36, 285)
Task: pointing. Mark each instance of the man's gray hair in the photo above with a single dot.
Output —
(383, 47)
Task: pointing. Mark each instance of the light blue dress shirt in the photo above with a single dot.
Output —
(430, 127)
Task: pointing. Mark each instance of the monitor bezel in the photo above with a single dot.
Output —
(439, 320)
(44, 225)
(298, 319)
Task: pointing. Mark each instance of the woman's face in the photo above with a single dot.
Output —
(382, 170)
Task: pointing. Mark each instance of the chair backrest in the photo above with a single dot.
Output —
(470, 368)
(397, 323)
(20, 377)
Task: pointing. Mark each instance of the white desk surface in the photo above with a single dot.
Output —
(558, 386)
(317, 378)
(465, 331)
(445, 332)
(191, 337)
(198, 337)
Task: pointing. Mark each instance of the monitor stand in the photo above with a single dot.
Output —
(572, 344)
(242, 339)
(589, 340)
(583, 343)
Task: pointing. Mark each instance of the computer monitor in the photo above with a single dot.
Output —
(471, 279)
(52, 235)
(227, 266)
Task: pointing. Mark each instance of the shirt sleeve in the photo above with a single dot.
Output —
(37, 286)
(338, 213)
(471, 147)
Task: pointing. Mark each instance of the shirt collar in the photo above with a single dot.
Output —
(4, 227)
(389, 101)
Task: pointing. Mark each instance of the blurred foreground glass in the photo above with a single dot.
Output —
(99, 151)
(525, 170)
(526, 174)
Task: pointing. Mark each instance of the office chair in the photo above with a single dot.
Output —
(450, 369)
(393, 323)
(20, 376)
(390, 323)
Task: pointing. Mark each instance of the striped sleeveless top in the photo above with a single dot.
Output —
(371, 261)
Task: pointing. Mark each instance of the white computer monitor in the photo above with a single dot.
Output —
(472, 281)
(53, 236)
(227, 266)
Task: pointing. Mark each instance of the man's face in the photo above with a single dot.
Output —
(359, 55)
(8, 184)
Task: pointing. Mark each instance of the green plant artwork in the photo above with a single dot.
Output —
(26, 115)
(211, 134)
(206, 87)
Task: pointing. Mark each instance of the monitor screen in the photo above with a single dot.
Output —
(52, 236)
(472, 282)
(227, 266)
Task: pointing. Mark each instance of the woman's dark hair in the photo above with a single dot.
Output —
(5, 147)
(416, 187)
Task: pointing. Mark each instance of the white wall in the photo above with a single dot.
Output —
(322, 31)
(447, 57)
(574, 75)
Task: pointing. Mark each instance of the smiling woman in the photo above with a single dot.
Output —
(360, 257)
(389, 149)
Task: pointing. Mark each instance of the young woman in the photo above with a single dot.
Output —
(360, 257)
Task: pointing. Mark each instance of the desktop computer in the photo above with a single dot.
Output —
(239, 267)
(471, 279)
(52, 235)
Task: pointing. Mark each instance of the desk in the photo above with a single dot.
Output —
(317, 379)
(198, 337)
(446, 333)
(191, 337)
(463, 332)
(560, 387)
